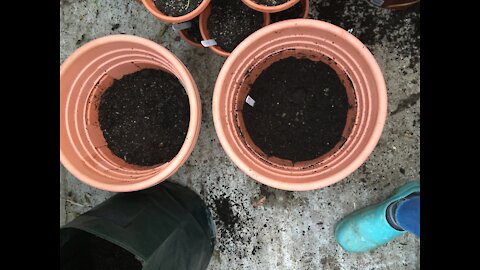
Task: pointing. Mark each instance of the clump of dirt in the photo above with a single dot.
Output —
(235, 224)
(226, 215)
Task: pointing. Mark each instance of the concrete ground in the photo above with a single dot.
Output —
(292, 230)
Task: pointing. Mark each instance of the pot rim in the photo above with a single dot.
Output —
(224, 133)
(203, 25)
(150, 5)
(186, 37)
(270, 9)
(168, 168)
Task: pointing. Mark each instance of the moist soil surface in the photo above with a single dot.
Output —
(144, 117)
(294, 12)
(270, 2)
(176, 8)
(194, 32)
(231, 22)
(300, 109)
(375, 26)
(105, 255)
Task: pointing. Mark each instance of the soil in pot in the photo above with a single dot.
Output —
(231, 22)
(270, 2)
(176, 8)
(100, 254)
(194, 31)
(294, 12)
(300, 109)
(144, 117)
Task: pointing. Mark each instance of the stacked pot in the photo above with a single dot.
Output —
(273, 7)
(94, 67)
(84, 77)
(318, 41)
(193, 27)
(179, 20)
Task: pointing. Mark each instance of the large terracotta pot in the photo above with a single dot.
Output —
(319, 41)
(84, 76)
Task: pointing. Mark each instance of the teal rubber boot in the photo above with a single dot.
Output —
(368, 228)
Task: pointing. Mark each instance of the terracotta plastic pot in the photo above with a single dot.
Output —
(184, 35)
(305, 8)
(150, 5)
(270, 9)
(84, 76)
(206, 35)
(319, 41)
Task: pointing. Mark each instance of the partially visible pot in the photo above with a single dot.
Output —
(318, 41)
(393, 4)
(195, 22)
(150, 5)
(184, 35)
(206, 35)
(84, 76)
(270, 9)
(305, 8)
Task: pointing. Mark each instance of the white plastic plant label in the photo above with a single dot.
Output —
(250, 101)
(181, 26)
(208, 43)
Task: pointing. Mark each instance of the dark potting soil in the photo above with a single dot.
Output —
(294, 12)
(177, 8)
(270, 2)
(144, 117)
(194, 31)
(300, 109)
(399, 31)
(225, 214)
(231, 22)
(104, 255)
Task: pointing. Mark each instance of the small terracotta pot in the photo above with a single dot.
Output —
(184, 35)
(319, 41)
(305, 8)
(206, 35)
(270, 9)
(84, 76)
(150, 5)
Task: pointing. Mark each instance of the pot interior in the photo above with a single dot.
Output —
(252, 74)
